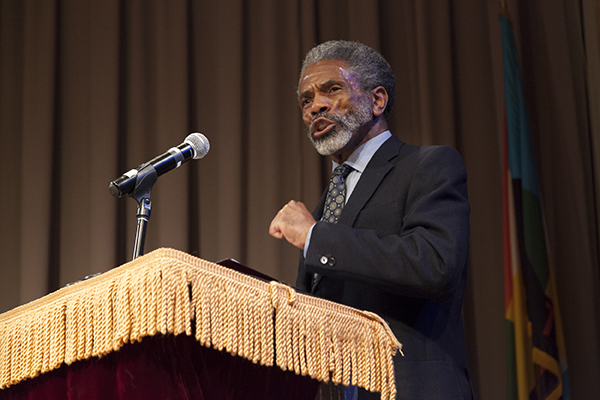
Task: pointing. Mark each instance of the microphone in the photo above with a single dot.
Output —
(194, 146)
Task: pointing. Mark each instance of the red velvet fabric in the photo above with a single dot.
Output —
(165, 367)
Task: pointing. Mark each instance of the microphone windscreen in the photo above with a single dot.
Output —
(199, 143)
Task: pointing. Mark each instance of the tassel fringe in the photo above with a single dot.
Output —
(171, 292)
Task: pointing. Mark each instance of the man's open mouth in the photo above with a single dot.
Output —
(321, 126)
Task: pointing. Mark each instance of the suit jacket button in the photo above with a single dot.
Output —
(331, 261)
(323, 260)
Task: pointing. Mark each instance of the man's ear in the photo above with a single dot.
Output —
(380, 100)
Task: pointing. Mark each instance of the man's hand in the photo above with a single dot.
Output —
(292, 222)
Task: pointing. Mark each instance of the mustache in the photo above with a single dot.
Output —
(332, 117)
(337, 119)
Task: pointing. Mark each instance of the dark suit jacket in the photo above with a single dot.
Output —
(400, 250)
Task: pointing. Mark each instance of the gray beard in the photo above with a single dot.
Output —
(345, 126)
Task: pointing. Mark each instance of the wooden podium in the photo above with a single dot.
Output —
(170, 325)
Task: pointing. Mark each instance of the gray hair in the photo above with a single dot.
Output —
(370, 66)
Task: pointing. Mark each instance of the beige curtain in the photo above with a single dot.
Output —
(90, 89)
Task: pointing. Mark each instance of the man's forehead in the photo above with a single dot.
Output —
(326, 71)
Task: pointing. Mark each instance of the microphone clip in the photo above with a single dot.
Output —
(145, 179)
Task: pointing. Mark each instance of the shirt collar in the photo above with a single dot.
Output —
(359, 159)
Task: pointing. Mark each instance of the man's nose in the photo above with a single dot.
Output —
(320, 104)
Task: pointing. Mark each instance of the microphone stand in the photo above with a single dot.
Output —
(146, 178)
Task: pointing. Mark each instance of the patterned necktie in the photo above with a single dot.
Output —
(336, 194)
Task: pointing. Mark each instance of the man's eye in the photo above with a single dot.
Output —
(306, 102)
(334, 89)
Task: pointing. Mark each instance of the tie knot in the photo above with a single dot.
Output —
(343, 170)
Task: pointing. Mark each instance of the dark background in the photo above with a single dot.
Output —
(90, 89)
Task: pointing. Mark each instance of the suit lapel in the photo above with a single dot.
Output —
(371, 178)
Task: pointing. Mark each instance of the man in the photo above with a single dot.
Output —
(399, 247)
